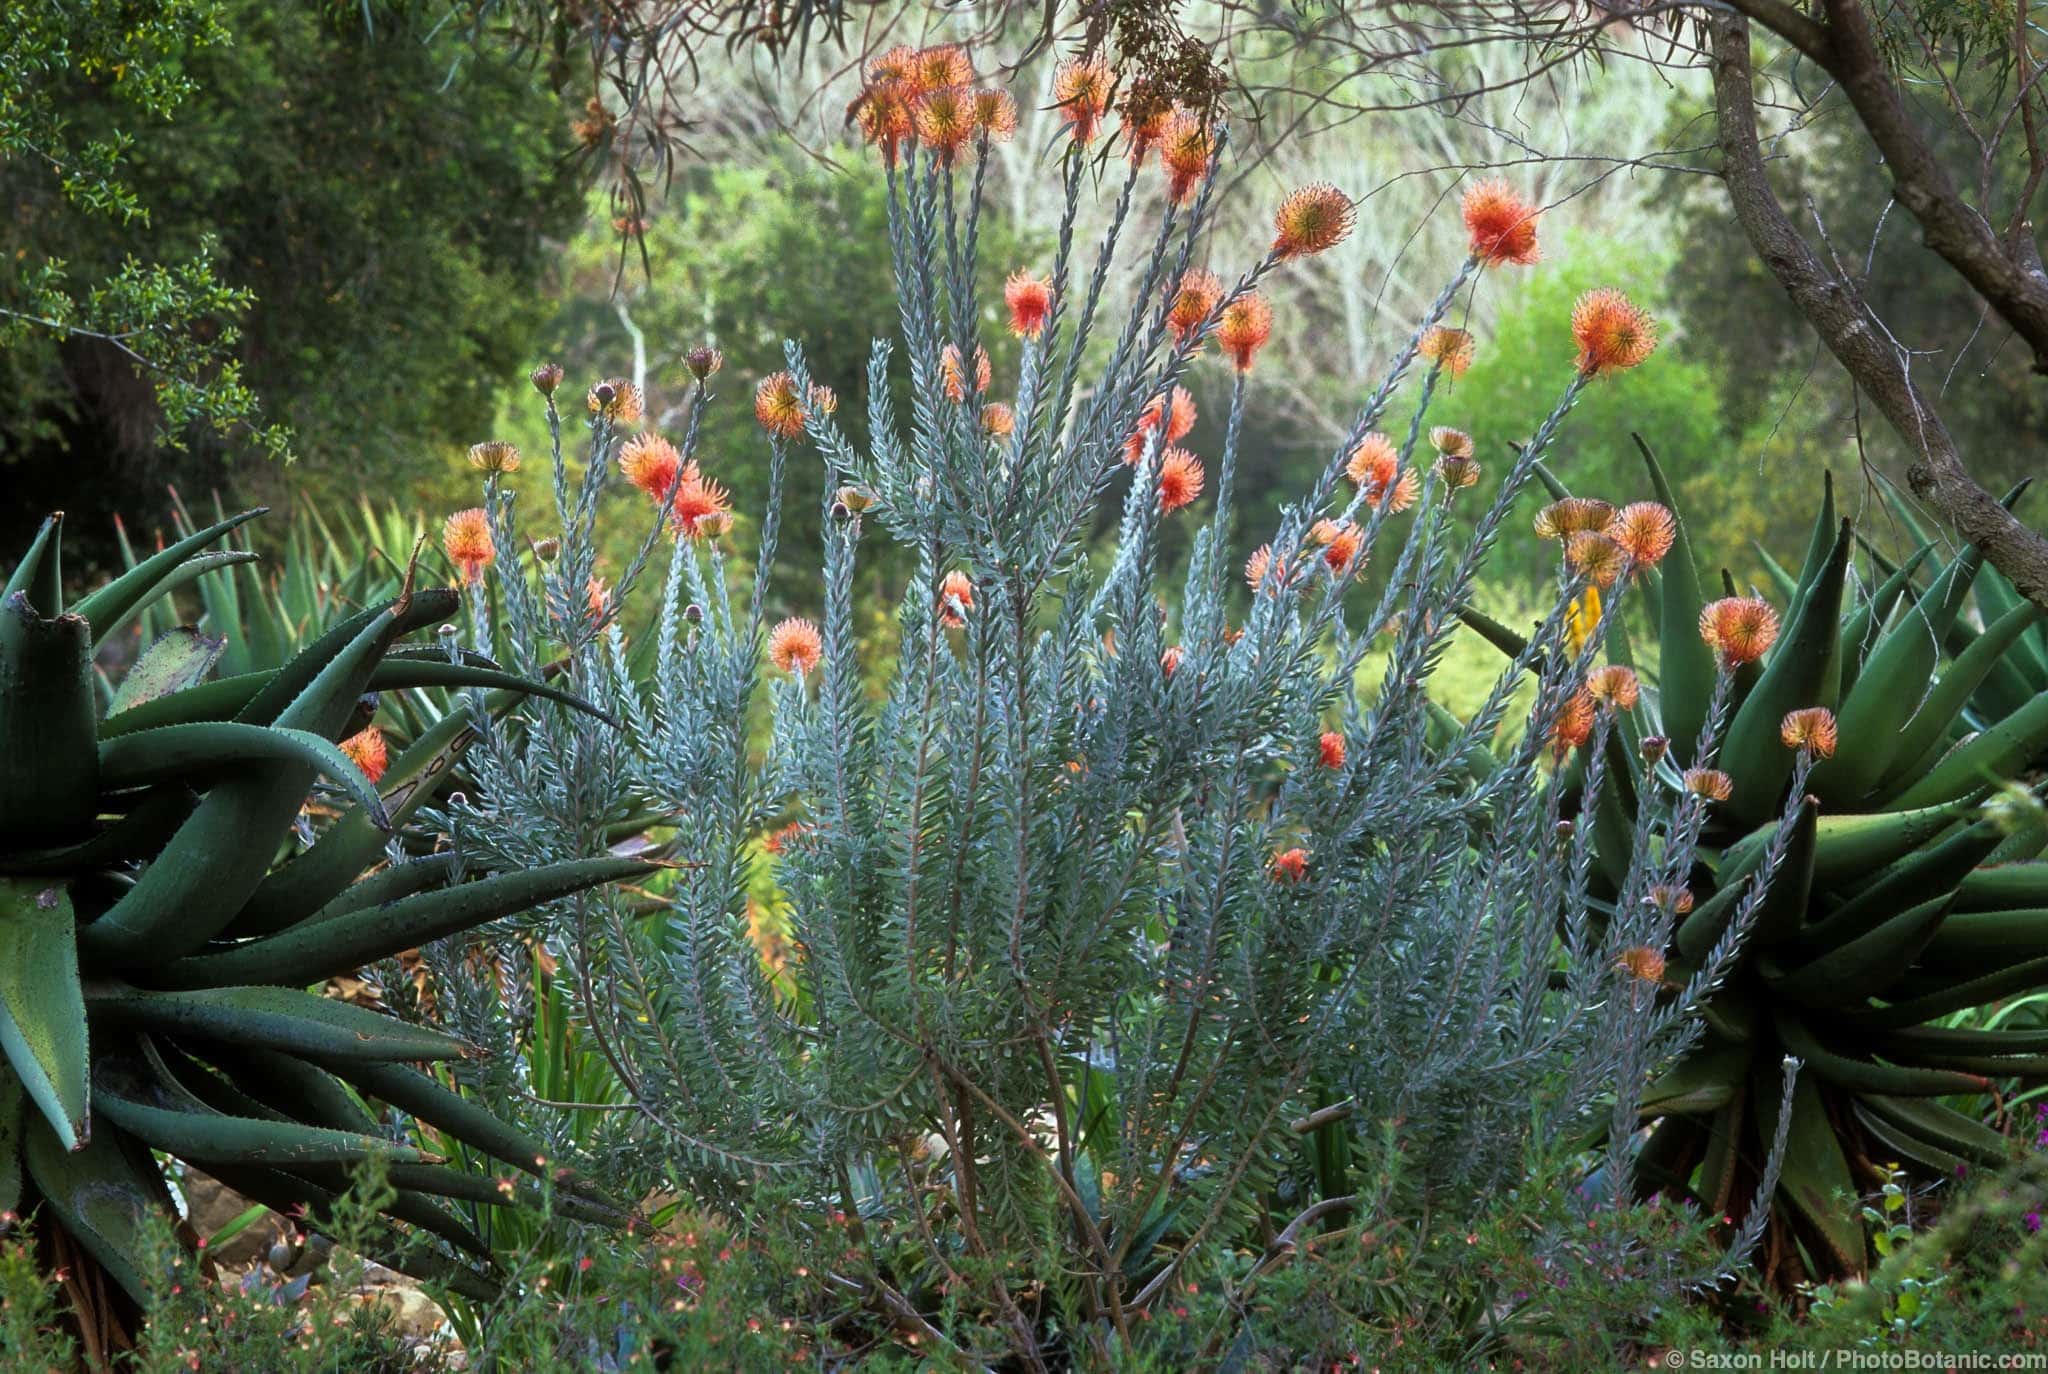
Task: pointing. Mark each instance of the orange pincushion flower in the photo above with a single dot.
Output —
(1030, 302)
(956, 595)
(466, 539)
(1262, 571)
(650, 463)
(596, 594)
(995, 115)
(1180, 480)
(1144, 130)
(1449, 349)
(1187, 148)
(953, 378)
(494, 456)
(1501, 227)
(1290, 865)
(1613, 333)
(1710, 783)
(945, 121)
(1330, 749)
(778, 407)
(1457, 471)
(1595, 556)
(1741, 629)
(1246, 324)
(615, 399)
(1315, 218)
(1675, 899)
(1193, 299)
(886, 118)
(1614, 685)
(1574, 722)
(1811, 728)
(1455, 443)
(1341, 541)
(701, 506)
(1375, 467)
(1169, 659)
(780, 839)
(1641, 963)
(1081, 90)
(1180, 419)
(942, 65)
(1571, 515)
(1645, 531)
(998, 421)
(367, 750)
(896, 67)
(795, 646)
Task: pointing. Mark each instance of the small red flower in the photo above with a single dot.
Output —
(1574, 724)
(795, 646)
(1290, 865)
(1375, 467)
(1030, 302)
(945, 121)
(995, 115)
(1246, 324)
(1741, 629)
(956, 597)
(701, 506)
(1330, 749)
(1645, 531)
(1186, 148)
(1081, 91)
(1179, 409)
(1500, 225)
(942, 65)
(367, 750)
(1193, 299)
(1169, 659)
(953, 377)
(1262, 571)
(1311, 220)
(1180, 480)
(1612, 332)
(650, 463)
(466, 539)
(1341, 541)
(998, 421)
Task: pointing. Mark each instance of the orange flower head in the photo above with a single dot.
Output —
(1030, 302)
(1574, 722)
(1180, 480)
(1453, 443)
(1811, 728)
(367, 750)
(1143, 131)
(1187, 148)
(1613, 333)
(1674, 898)
(466, 539)
(943, 65)
(596, 595)
(1449, 349)
(780, 839)
(1263, 572)
(1081, 91)
(650, 463)
(1246, 324)
(778, 407)
(896, 67)
(945, 121)
(1375, 467)
(494, 456)
(1457, 471)
(1710, 783)
(1572, 515)
(956, 598)
(1614, 685)
(795, 646)
(1312, 220)
(1641, 963)
(1179, 409)
(1596, 557)
(1169, 659)
(824, 399)
(1741, 629)
(1645, 531)
(701, 509)
(887, 118)
(1290, 865)
(1330, 749)
(1193, 299)
(998, 421)
(1500, 225)
(995, 115)
(615, 399)
(953, 377)
(1341, 541)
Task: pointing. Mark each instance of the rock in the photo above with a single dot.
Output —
(211, 1205)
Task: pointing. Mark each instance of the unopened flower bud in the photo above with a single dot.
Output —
(693, 613)
(447, 632)
(1654, 748)
(841, 511)
(548, 550)
(1565, 830)
(703, 361)
(546, 378)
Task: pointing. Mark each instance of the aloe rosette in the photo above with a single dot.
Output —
(159, 927)
(1897, 902)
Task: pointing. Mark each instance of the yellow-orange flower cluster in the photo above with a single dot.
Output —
(650, 463)
(1645, 531)
(1571, 515)
(998, 421)
(1449, 349)
(795, 646)
(1030, 302)
(1595, 557)
(1186, 149)
(1499, 225)
(466, 539)
(1180, 419)
(1080, 88)
(1375, 468)
(701, 508)
(921, 95)
(1812, 729)
(1193, 299)
(1711, 783)
(1613, 333)
(1246, 324)
(367, 750)
(1180, 480)
(956, 598)
(1574, 724)
(1312, 220)
(1169, 659)
(1614, 685)
(1740, 629)
(953, 376)
(778, 407)
(1642, 963)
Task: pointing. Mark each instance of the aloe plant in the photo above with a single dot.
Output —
(159, 925)
(1898, 901)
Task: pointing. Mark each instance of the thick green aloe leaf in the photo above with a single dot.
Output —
(413, 1092)
(1859, 631)
(110, 606)
(1864, 1075)
(1992, 756)
(39, 575)
(2006, 887)
(308, 953)
(186, 573)
(13, 1123)
(193, 753)
(49, 771)
(1685, 669)
(1784, 901)
(102, 1194)
(1866, 965)
(42, 1011)
(1941, 1127)
(132, 838)
(275, 1018)
(1924, 875)
(1973, 939)
(1944, 702)
(1816, 1179)
(1704, 1081)
(192, 1132)
(2022, 976)
(1901, 1145)
(179, 660)
(1848, 847)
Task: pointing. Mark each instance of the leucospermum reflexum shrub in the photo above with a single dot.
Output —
(1902, 900)
(164, 905)
(1137, 937)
